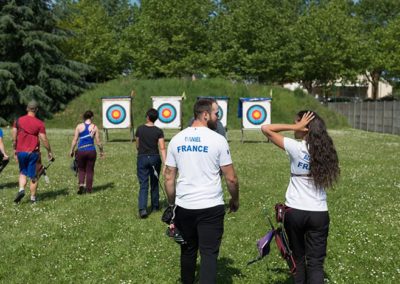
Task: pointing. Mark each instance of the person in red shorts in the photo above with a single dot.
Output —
(27, 133)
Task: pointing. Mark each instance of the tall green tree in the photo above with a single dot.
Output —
(171, 38)
(391, 44)
(253, 39)
(327, 45)
(96, 34)
(376, 19)
(31, 64)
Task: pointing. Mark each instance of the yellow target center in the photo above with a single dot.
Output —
(257, 114)
(166, 113)
(116, 114)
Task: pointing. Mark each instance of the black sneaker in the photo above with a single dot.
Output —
(143, 213)
(81, 190)
(19, 196)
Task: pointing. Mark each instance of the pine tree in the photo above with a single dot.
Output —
(31, 64)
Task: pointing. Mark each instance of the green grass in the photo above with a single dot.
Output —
(98, 238)
(284, 102)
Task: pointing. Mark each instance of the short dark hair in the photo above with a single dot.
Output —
(152, 114)
(88, 114)
(32, 106)
(201, 106)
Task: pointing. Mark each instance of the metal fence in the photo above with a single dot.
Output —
(371, 116)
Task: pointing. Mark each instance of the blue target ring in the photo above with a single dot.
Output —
(256, 114)
(220, 112)
(116, 114)
(166, 113)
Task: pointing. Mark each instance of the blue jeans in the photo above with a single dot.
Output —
(145, 164)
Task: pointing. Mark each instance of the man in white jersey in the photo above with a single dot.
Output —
(195, 156)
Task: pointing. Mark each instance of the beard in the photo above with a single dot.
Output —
(212, 124)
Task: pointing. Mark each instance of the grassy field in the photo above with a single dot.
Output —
(98, 238)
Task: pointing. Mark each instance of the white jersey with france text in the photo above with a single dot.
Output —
(198, 153)
(301, 192)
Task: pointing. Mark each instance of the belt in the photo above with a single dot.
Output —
(85, 146)
(300, 175)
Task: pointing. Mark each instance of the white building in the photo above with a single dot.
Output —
(362, 89)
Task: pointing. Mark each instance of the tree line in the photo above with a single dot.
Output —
(53, 50)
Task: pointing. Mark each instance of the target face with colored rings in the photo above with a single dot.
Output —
(116, 114)
(220, 113)
(166, 113)
(256, 114)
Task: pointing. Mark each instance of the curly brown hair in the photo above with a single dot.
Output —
(324, 159)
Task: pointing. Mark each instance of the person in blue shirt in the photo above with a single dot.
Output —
(86, 136)
(2, 149)
(3, 155)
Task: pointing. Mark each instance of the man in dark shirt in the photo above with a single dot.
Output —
(149, 141)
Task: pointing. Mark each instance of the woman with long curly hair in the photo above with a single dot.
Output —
(314, 167)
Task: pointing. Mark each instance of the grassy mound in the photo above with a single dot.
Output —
(284, 102)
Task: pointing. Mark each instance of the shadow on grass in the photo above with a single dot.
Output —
(289, 279)
(105, 186)
(284, 271)
(117, 140)
(52, 194)
(227, 270)
(9, 185)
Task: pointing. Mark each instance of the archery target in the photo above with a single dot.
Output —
(223, 111)
(116, 112)
(220, 112)
(255, 114)
(169, 112)
(166, 113)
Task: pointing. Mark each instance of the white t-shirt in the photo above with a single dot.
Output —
(301, 192)
(198, 153)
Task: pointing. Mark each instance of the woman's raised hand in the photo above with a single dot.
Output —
(305, 120)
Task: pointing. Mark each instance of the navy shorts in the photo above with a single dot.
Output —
(27, 163)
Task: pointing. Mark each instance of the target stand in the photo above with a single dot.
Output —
(255, 112)
(117, 114)
(169, 112)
